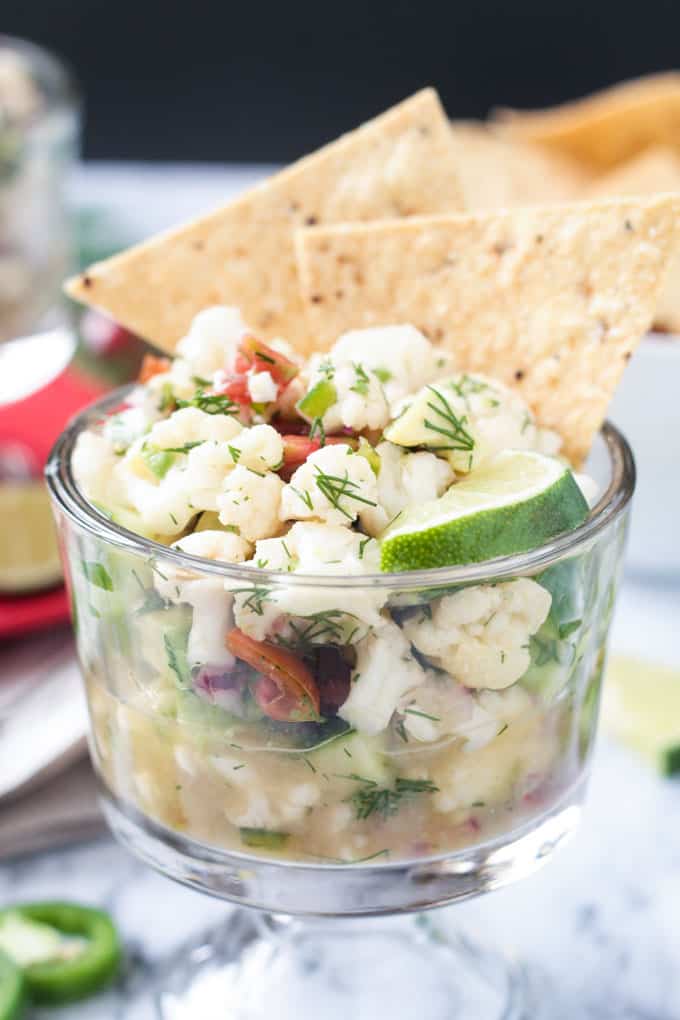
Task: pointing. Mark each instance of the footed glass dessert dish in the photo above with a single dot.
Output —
(331, 769)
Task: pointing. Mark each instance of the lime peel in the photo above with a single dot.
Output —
(511, 504)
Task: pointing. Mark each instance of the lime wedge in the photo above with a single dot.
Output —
(641, 708)
(29, 557)
(514, 503)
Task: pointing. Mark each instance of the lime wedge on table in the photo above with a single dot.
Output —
(29, 557)
(517, 501)
(641, 708)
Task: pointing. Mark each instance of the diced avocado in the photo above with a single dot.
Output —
(316, 401)
(354, 755)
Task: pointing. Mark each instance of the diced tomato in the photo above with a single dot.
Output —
(233, 385)
(286, 690)
(151, 366)
(296, 450)
(264, 358)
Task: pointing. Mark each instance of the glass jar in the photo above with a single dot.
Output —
(39, 134)
(213, 762)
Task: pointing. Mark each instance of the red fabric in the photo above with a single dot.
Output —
(33, 612)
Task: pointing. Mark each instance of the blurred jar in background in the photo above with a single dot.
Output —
(39, 134)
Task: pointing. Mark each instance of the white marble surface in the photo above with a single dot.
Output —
(602, 921)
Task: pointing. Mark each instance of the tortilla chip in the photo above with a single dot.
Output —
(498, 173)
(399, 164)
(551, 300)
(608, 127)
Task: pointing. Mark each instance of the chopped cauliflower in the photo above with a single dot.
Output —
(443, 707)
(190, 425)
(515, 760)
(256, 797)
(250, 501)
(401, 356)
(333, 485)
(212, 341)
(126, 426)
(480, 635)
(262, 388)
(259, 448)
(319, 549)
(404, 479)
(360, 401)
(385, 669)
(94, 465)
(212, 616)
(466, 419)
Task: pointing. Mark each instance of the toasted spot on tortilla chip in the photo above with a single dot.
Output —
(555, 319)
(400, 163)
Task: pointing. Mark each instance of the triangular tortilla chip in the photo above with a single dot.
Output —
(656, 170)
(552, 300)
(499, 173)
(608, 127)
(399, 164)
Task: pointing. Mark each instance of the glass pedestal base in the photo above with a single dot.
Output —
(258, 966)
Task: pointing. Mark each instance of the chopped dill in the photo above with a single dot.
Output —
(450, 425)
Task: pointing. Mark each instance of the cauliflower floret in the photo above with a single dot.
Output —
(320, 549)
(468, 418)
(260, 448)
(180, 378)
(212, 616)
(256, 798)
(126, 426)
(384, 671)
(480, 635)
(360, 401)
(333, 485)
(224, 546)
(94, 466)
(405, 479)
(190, 425)
(402, 357)
(262, 388)
(212, 341)
(443, 707)
(250, 501)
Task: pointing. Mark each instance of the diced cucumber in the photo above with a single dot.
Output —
(316, 401)
(162, 635)
(158, 461)
(263, 839)
(352, 756)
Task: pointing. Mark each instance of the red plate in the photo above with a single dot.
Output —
(22, 613)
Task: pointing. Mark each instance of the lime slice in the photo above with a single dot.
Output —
(29, 557)
(514, 503)
(641, 708)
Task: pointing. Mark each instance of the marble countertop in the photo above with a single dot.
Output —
(601, 923)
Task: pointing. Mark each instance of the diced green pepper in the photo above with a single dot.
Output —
(69, 951)
(11, 989)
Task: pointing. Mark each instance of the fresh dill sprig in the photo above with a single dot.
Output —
(211, 403)
(361, 380)
(423, 715)
(334, 488)
(304, 496)
(257, 596)
(450, 425)
(370, 800)
(317, 426)
(183, 449)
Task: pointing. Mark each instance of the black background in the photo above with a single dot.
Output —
(269, 81)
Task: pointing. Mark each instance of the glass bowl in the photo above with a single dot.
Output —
(457, 790)
(37, 151)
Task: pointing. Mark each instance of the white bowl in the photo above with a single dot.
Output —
(647, 410)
